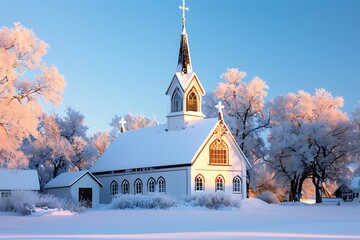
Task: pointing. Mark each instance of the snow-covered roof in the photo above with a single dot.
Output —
(67, 179)
(185, 80)
(155, 146)
(19, 179)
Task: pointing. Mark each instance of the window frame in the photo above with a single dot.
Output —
(176, 104)
(152, 186)
(217, 183)
(114, 188)
(237, 181)
(123, 187)
(161, 186)
(138, 185)
(218, 155)
(192, 103)
(199, 185)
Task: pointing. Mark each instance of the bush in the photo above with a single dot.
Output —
(143, 201)
(214, 200)
(268, 197)
(26, 202)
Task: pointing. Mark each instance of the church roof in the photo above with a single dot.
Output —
(185, 80)
(68, 179)
(155, 146)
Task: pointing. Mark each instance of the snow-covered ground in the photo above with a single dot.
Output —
(253, 220)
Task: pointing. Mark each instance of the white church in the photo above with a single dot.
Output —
(187, 155)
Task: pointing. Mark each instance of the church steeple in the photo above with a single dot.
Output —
(184, 61)
(185, 90)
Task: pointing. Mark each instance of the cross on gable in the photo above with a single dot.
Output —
(219, 107)
(122, 123)
(183, 8)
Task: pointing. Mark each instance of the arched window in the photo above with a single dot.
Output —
(192, 101)
(138, 186)
(114, 189)
(237, 184)
(151, 185)
(161, 185)
(219, 183)
(218, 152)
(125, 189)
(199, 183)
(176, 102)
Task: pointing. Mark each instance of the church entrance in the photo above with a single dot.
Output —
(85, 197)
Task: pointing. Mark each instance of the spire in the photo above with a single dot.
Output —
(184, 62)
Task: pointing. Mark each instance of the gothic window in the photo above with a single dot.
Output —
(161, 185)
(219, 183)
(138, 186)
(125, 187)
(218, 152)
(199, 183)
(151, 185)
(192, 101)
(114, 188)
(237, 184)
(176, 102)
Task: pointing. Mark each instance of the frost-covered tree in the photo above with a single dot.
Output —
(101, 141)
(245, 113)
(61, 146)
(21, 55)
(50, 153)
(74, 130)
(133, 122)
(308, 138)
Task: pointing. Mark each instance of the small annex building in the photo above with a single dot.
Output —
(17, 180)
(188, 154)
(80, 186)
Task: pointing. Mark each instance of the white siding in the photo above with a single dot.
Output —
(176, 179)
(72, 192)
(235, 168)
(86, 182)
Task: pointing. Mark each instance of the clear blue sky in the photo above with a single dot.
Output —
(119, 56)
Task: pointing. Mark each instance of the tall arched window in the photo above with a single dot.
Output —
(192, 101)
(138, 186)
(218, 152)
(125, 189)
(151, 185)
(219, 183)
(176, 102)
(161, 185)
(237, 184)
(114, 188)
(199, 183)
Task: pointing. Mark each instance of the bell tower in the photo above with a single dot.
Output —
(185, 90)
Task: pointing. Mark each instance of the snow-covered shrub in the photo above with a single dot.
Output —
(26, 202)
(143, 201)
(268, 197)
(214, 200)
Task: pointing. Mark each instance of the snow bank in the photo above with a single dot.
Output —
(254, 203)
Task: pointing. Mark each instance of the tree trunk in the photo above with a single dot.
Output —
(317, 181)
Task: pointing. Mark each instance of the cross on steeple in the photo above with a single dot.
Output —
(122, 124)
(220, 107)
(183, 8)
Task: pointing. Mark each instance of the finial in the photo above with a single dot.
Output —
(183, 8)
(122, 123)
(220, 107)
